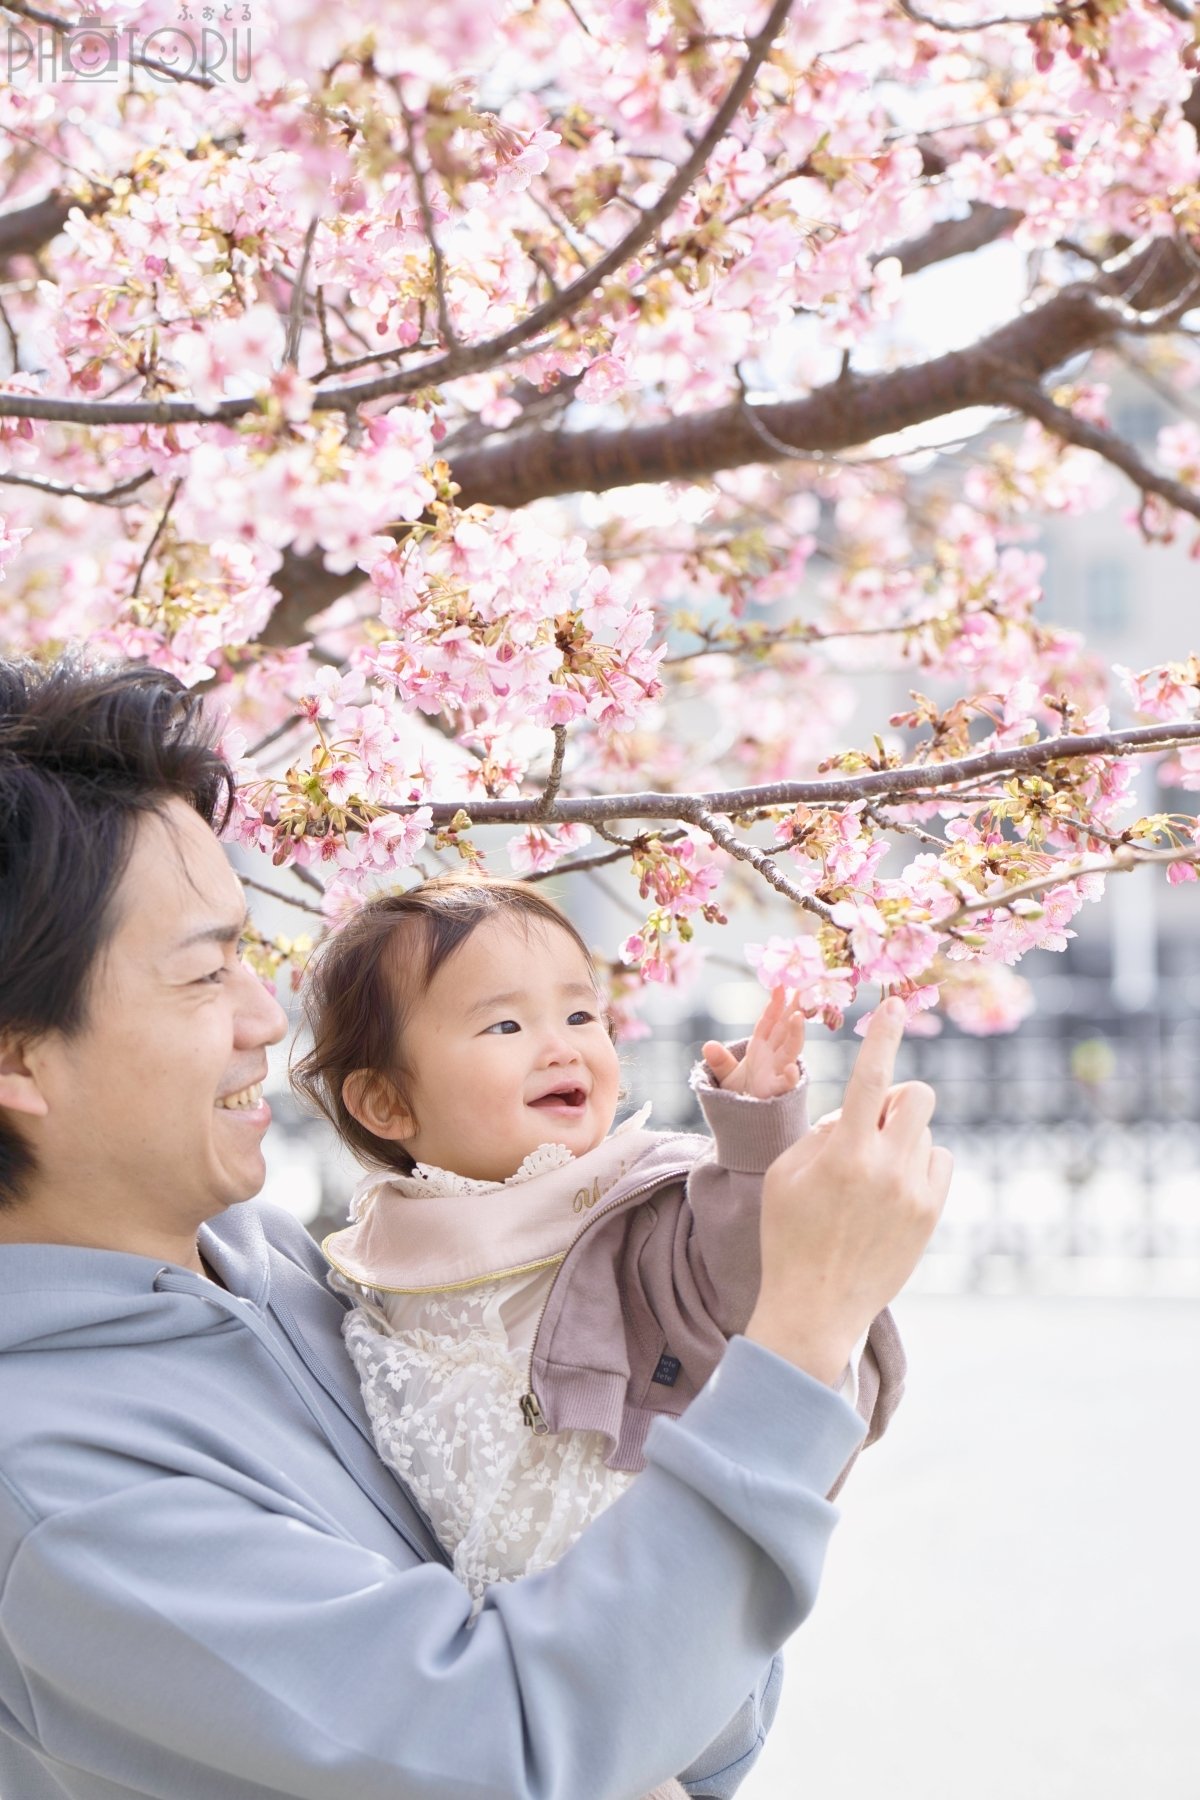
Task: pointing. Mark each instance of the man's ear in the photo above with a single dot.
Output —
(20, 1090)
(373, 1100)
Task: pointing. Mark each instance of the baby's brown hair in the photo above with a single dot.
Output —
(360, 986)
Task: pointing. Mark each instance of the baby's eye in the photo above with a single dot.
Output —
(581, 1018)
(504, 1027)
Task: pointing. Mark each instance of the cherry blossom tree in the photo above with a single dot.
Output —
(499, 410)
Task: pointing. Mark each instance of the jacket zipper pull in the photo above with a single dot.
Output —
(531, 1412)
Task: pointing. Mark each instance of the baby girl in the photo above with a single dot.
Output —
(531, 1287)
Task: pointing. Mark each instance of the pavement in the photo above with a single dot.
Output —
(1010, 1608)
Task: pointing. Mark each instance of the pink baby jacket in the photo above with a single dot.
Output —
(662, 1269)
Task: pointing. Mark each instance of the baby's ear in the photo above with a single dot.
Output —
(374, 1101)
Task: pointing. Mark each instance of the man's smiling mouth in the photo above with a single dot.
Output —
(244, 1098)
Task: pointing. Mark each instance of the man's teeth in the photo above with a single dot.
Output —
(245, 1097)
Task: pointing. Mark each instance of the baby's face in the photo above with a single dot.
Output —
(508, 1050)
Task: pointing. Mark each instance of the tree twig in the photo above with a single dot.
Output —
(158, 531)
(273, 737)
(14, 348)
(1126, 859)
(1062, 423)
(759, 860)
(260, 887)
(1056, 15)
(62, 490)
(295, 325)
(904, 827)
(445, 322)
(625, 848)
(554, 779)
(307, 877)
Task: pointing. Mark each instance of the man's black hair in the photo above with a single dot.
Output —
(84, 754)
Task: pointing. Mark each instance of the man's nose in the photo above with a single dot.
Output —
(260, 1018)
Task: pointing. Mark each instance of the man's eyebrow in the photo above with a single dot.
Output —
(216, 933)
(493, 1000)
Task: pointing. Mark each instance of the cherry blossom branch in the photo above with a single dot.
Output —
(758, 860)
(799, 634)
(625, 848)
(295, 326)
(1065, 424)
(839, 415)
(158, 531)
(554, 779)
(260, 887)
(982, 225)
(272, 737)
(62, 490)
(307, 877)
(463, 359)
(445, 323)
(14, 348)
(905, 828)
(578, 17)
(1056, 15)
(1126, 858)
(27, 229)
(878, 784)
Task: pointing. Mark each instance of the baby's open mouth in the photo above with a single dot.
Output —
(570, 1099)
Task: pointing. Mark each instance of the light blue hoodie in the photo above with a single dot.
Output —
(210, 1588)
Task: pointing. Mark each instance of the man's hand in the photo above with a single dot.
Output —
(769, 1065)
(848, 1210)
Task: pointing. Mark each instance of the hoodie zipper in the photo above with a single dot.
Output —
(531, 1410)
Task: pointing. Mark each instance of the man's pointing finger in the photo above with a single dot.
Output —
(871, 1076)
(908, 1110)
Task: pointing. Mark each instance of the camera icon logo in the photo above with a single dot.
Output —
(89, 52)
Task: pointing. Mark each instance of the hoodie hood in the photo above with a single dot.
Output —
(63, 1297)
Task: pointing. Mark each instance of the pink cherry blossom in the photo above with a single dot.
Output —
(539, 847)
(516, 545)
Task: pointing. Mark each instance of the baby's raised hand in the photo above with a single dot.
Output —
(769, 1065)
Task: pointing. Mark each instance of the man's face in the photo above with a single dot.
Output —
(155, 1120)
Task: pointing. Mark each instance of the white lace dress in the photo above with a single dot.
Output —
(443, 1375)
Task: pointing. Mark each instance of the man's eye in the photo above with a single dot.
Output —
(503, 1027)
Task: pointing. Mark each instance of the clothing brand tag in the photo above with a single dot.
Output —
(667, 1372)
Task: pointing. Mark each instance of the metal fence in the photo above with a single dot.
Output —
(1076, 1144)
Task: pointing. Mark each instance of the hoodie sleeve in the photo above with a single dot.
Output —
(181, 1640)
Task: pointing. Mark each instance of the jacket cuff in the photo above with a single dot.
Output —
(750, 1133)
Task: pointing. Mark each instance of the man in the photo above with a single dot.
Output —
(209, 1586)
